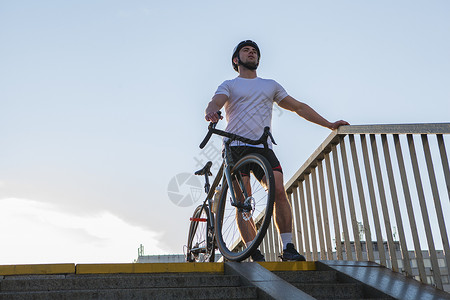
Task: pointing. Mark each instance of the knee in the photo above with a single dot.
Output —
(280, 193)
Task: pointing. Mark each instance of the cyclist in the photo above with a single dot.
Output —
(248, 101)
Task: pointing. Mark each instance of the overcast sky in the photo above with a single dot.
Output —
(102, 105)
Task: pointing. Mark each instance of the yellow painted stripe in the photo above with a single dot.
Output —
(289, 266)
(142, 268)
(150, 268)
(37, 269)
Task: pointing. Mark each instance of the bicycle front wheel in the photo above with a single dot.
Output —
(200, 247)
(240, 228)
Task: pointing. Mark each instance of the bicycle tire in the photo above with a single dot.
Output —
(200, 246)
(229, 237)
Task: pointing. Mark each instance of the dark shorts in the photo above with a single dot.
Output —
(238, 152)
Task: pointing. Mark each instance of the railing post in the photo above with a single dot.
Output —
(425, 217)
(326, 224)
(318, 214)
(272, 246)
(398, 218)
(348, 248)
(312, 226)
(298, 228)
(437, 200)
(351, 203)
(387, 222)
(373, 202)
(409, 208)
(276, 240)
(337, 232)
(362, 200)
(444, 160)
(304, 221)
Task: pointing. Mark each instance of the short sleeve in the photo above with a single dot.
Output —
(280, 93)
(223, 89)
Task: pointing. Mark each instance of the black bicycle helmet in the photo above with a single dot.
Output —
(239, 47)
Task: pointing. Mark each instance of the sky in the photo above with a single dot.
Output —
(102, 105)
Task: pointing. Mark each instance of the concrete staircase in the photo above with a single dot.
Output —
(126, 286)
(230, 280)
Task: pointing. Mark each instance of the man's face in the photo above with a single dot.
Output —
(249, 55)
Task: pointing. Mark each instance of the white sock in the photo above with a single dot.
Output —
(286, 238)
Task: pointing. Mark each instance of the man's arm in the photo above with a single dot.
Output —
(216, 104)
(306, 112)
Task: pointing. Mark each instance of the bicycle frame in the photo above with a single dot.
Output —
(229, 163)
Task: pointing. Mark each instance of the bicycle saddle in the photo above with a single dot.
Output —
(205, 170)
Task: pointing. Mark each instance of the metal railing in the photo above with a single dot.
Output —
(362, 195)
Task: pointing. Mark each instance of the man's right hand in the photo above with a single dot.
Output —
(216, 104)
(213, 117)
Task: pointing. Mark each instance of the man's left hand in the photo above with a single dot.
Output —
(337, 124)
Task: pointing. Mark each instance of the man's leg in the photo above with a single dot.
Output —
(282, 208)
(246, 228)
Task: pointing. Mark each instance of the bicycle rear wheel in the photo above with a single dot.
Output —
(239, 231)
(200, 247)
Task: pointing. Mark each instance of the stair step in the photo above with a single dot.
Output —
(324, 285)
(81, 282)
(332, 290)
(307, 276)
(153, 293)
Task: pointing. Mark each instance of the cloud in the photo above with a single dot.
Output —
(35, 232)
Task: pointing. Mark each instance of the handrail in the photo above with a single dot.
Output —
(371, 198)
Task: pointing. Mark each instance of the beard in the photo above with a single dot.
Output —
(248, 65)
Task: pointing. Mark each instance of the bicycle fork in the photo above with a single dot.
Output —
(246, 205)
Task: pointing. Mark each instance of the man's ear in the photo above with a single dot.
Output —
(236, 60)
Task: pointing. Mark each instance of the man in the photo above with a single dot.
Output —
(248, 102)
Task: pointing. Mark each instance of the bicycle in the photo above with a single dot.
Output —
(245, 204)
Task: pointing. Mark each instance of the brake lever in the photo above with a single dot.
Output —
(271, 138)
(211, 126)
(269, 134)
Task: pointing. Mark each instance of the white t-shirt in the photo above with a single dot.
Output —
(249, 106)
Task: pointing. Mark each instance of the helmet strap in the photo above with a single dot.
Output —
(247, 65)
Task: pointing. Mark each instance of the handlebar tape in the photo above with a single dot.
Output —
(209, 134)
(206, 139)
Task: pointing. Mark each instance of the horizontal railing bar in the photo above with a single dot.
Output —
(426, 128)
